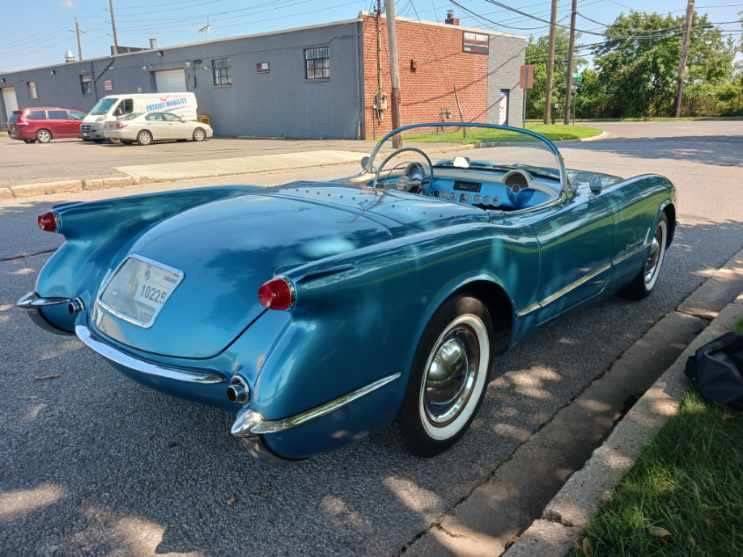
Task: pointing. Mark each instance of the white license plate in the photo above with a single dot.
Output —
(139, 289)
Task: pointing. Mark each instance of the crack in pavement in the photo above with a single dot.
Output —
(24, 255)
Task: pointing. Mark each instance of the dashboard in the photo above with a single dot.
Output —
(511, 191)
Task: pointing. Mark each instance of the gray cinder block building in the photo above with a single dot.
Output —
(311, 82)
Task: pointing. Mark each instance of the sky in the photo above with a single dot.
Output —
(39, 32)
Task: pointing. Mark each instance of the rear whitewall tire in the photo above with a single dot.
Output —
(472, 388)
(449, 378)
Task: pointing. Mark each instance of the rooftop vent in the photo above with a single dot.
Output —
(69, 58)
(450, 19)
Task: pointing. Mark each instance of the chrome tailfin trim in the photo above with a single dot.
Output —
(249, 423)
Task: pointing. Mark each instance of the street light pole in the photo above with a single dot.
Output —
(389, 6)
(113, 26)
(571, 63)
(79, 46)
(684, 56)
(550, 65)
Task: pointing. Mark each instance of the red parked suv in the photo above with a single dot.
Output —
(43, 124)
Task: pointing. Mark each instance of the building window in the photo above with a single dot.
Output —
(317, 63)
(32, 91)
(263, 67)
(222, 72)
(86, 84)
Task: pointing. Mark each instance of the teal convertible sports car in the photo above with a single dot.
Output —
(314, 312)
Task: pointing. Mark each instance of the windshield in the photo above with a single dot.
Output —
(103, 106)
(486, 166)
(471, 147)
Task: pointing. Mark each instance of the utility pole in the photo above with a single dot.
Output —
(684, 55)
(571, 63)
(113, 26)
(550, 65)
(79, 46)
(389, 6)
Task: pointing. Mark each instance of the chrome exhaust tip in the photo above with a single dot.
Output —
(75, 305)
(238, 391)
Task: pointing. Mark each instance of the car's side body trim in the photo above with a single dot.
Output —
(564, 290)
(202, 377)
(249, 423)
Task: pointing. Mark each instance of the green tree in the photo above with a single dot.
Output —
(536, 53)
(591, 99)
(638, 63)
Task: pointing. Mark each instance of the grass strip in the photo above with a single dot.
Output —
(684, 496)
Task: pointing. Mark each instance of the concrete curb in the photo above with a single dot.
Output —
(109, 182)
(602, 135)
(46, 188)
(570, 510)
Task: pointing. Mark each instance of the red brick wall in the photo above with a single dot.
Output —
(441, 66)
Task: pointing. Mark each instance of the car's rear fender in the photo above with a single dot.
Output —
(98, 234)
(358, 319)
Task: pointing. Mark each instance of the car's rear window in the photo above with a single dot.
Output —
(14, 116)
(36, 115)
(57, 114)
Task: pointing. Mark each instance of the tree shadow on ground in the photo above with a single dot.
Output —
(720, 150)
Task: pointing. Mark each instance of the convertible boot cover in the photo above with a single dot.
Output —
(716, 370)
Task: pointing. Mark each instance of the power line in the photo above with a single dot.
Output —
(537, 18)
(591, 20)
(482, 17)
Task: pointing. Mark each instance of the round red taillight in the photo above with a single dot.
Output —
(277, 293)
(48, 221)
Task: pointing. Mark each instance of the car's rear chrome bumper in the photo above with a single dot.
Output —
(34, 304)
(249, 423)
(203, 377)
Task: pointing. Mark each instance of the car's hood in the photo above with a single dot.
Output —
(226, 250)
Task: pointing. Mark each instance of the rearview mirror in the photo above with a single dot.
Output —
(595, 185)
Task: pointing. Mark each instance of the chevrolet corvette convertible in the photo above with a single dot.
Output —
(315, 312)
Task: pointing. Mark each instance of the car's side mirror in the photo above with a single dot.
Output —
(364, 162)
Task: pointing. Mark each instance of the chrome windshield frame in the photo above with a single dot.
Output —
(565, 186)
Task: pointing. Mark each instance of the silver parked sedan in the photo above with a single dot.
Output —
(155, 126)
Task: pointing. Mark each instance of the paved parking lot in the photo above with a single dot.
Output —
(93, 463)
(21, 163)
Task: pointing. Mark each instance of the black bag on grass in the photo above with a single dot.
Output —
(716, 370)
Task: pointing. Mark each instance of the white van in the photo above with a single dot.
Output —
(114, 106)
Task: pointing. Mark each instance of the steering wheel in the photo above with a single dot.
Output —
(415, 172)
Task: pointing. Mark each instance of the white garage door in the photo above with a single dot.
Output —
(170, 81)
(10, 101)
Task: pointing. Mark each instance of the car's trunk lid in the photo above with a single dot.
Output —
(225, 250)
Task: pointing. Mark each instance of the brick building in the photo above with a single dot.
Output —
(322, 81)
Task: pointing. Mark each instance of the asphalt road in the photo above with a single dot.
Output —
(69, 158)
(93, 463)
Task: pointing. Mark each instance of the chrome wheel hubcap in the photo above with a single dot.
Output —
(43, 137)
(451, 374)
(655, 255)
